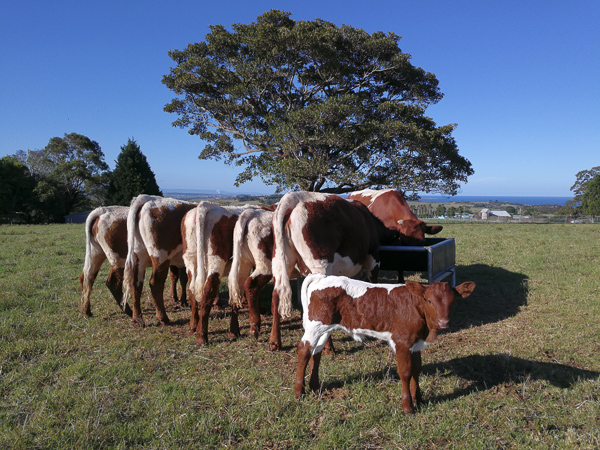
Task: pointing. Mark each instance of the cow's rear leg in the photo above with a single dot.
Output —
(194, 307)
(137, 318)
(114, 283)
(183, 281)
(157, 287)
(174, 277)
(275, 337)
(252, 288)
(87, 281)
(178, 274)
(234, 324)
(211, 288)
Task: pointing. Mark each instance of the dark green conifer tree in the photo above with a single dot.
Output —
(132, 176)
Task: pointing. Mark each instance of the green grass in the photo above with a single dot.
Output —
(520, 367)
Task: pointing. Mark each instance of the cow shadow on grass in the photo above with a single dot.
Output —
(483, 373)
(486, 372)
(499, 294)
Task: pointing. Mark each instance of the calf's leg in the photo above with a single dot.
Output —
(403, 359)
(415, 389)
(304, 350)
(314, 383)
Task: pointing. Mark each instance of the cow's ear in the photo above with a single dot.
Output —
(433, 229)
(415, 288)
(465, 289)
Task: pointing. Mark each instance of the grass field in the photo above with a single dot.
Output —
(520, 367)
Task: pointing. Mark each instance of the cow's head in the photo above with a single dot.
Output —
(439, 300)
(412, 231)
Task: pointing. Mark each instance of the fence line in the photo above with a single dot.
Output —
(522, 219)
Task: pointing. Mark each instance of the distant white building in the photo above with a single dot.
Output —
(488, 214)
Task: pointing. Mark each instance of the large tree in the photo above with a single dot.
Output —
(309, 105)
(590, 200)
(580, 186)
(132, 176)
(16, 188)
(70, 174)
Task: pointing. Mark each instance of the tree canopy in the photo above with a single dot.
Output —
(132, 176)
(590, 200)
(586, 192)
(16, 188)
(70, 175)
(309, 105)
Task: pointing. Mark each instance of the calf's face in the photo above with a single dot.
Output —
(439, 299)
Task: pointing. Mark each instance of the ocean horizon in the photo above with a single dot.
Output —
(516, 199)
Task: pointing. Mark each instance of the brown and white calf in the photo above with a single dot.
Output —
(321, 233)
(389, 206)
(407, 316)
(106, 239)
(207, 232)
(251, 267)
(156, 223)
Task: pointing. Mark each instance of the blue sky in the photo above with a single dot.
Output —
(520, 78)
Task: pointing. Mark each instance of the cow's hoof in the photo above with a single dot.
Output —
(274, 347)
(164, 321)
(298, 392)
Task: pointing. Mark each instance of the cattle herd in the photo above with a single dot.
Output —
(330, 240)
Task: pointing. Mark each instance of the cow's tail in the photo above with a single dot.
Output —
(239, 239)
(86, 274)
(280, 262)
(198, 284)
(132, 230)
(304, 296)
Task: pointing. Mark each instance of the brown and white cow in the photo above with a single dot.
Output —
(251, 267)
(390, 207)
(207, 232)
(155, 222)
(321, 233)
(407, 316)
(106, 239)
